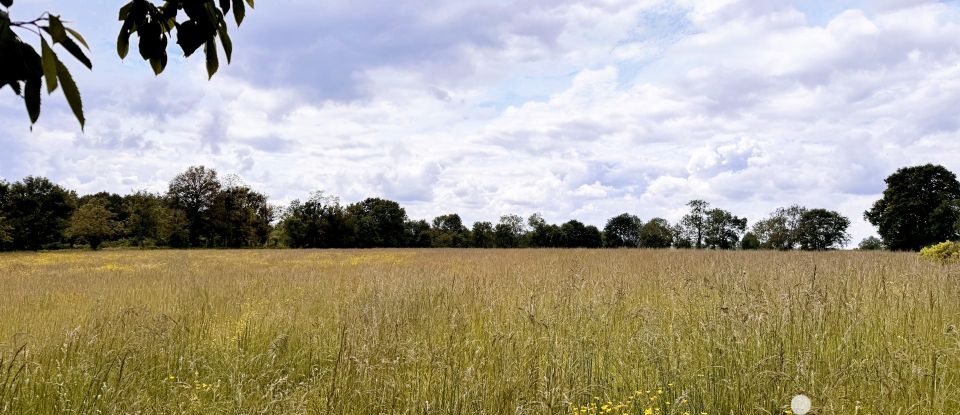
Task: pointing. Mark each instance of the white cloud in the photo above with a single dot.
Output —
(568, 108)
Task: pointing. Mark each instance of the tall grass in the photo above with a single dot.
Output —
(477, 332)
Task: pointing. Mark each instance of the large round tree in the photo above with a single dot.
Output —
(920, 207)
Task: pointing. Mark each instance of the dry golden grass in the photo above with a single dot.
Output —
(477, 332)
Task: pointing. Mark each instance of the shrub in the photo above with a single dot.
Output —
(871, 244)
(946, 252)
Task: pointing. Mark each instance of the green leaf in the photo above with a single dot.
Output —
(212, 63)
(158, 64)
(71, 92)
(56, 30)
(123, 40)
(49, 63)
(77, 36)
(125, 10)
(16, 87)
(238, 11)
(225, 5)
(69, 45)
(6, 3)
(5, 32)
(189, 37)
(225, 40)
(250, 2)
(32, 98)
(75, 50)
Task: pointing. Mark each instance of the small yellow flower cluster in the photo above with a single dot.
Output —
(649, 402)
(206, 387)
(196, 385)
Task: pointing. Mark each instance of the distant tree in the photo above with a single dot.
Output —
(240, 217)
(543, 234)
(116, 204)
(871, 243)
(377, 223)
(38, 211)
(173, 227)
(509, 232)
(194, 192)
(693, 226)
(278, 237)
(143, 216)
(6, 231)
(536, 221)
(449, 232)
(93, 223)
(593, 237)
(417, 234)
(682, 236)
(822, 229)
(920, 207)
(6, 234)
(750, 242)
(656, 233)
(779, 231)
(723, 229)
(575, 234)
(622, 231)
(318, 222)
(482, 235)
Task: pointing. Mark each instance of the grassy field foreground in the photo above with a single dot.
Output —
(477, 332)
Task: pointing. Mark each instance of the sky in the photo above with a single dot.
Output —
(574, 109)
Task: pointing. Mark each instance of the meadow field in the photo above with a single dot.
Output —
(477, 332)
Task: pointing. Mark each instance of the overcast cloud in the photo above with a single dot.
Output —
(576, 109)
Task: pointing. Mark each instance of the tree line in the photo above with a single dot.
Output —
(199, 210)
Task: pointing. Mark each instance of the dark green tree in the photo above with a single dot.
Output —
(194, 192)
(779, 231)
(682, 238)
(240, 217)
(543, 234)
(449, 232)
(417, 234)
(377, 223)
(173, 227)
(575, 234)
(6, 234)
(144, 212)
(93, 222)
(6, 231)
(822, 229)
(622, 231)
(693, 226)
(483, 235)
(750, 242)
(38, 211)
(318, 222)
(657, 233)
(871, 243)
(116, 204)
(509, 232)
(920, 207)
(723, 229)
